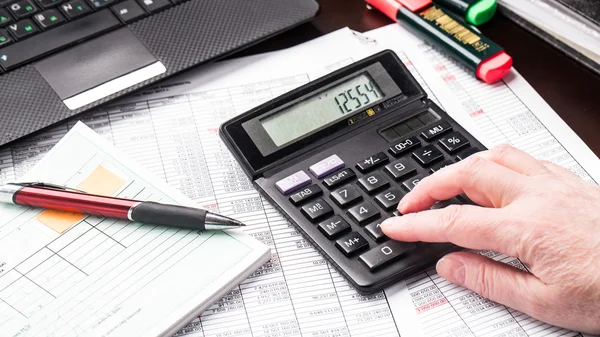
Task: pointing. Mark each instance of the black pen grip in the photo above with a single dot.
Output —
(169, 215)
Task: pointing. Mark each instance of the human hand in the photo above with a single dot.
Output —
(537, 211)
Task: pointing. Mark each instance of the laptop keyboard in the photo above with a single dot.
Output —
(30, 29)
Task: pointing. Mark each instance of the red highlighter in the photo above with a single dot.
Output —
(480, 55)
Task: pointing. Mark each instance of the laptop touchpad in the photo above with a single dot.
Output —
(98, 68)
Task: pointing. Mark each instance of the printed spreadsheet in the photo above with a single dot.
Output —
(436, 306)
(296, 293)
(176, 138)
(67, 274)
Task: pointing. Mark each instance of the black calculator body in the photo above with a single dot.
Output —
(335, 156)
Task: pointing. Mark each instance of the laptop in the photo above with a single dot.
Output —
(59, 58)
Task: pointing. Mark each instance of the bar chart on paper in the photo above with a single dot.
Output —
(297, 292)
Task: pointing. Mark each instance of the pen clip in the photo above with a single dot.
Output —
(50, 186)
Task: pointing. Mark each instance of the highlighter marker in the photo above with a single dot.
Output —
(478, 54)
(474, 12)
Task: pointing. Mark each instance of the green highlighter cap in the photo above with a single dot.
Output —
(481, 12)
(474, 12)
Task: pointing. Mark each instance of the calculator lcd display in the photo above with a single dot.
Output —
(322, 109)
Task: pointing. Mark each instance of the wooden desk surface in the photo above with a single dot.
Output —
(571, 90)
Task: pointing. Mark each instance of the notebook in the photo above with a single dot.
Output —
(590, 9)
(65, 274)
(571, 26)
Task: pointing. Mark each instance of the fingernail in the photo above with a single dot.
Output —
(394, 223)
(452, 269)
(403, 201)
(386, 224)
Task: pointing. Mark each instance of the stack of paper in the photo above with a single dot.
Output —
(172, 130)
(65, 274)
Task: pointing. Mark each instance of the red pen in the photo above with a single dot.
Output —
(479, 55)
(48, 196)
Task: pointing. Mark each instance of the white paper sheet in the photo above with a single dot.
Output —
(76, 275)
(172, 129)
(507, 112)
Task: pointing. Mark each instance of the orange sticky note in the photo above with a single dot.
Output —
(101, 181)
(59, 221)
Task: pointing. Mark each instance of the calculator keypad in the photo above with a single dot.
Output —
(345, 196)
(334, 227)
(326, 166)
(436, 130)
(440, 166)
(375, 232)
(352, 244)
(386, 253)
(466, 153)
(346, 205)
(339, 178)
(453, 142)
(389, 199)
(404, 146)
(427, 155)
(411, 183)
(401, 168)
(305, 194)
(316, 210)
(372, 161)
(293, 182)
(373, 182)
(363, 213)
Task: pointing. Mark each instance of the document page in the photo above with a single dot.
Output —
(510, 112)
(506, 112)
(172, 130)
(67, 274)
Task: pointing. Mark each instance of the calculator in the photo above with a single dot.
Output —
(336, 155)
